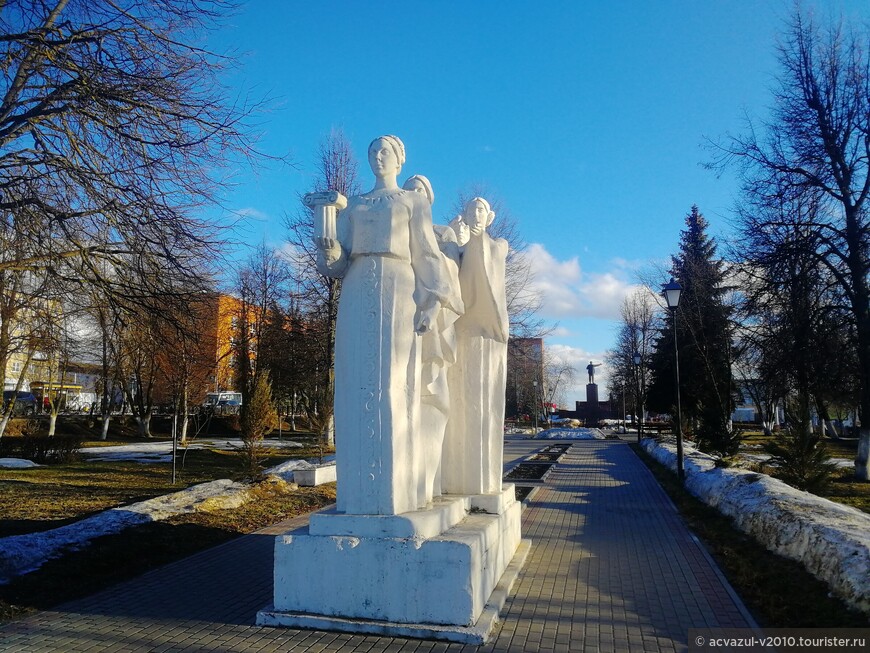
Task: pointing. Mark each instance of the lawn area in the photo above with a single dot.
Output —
(53, 495)
(844, 488)
(779, 592)
(841, 448)
(114, 558)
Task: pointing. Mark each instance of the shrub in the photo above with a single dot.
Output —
(716, 435)
(801, 458)
(43, 449)
(258, 419)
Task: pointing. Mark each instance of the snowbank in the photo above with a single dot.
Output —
(830, 539)
(570, 434)
(17, 463)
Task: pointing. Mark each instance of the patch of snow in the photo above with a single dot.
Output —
(161, 452)
(285, 470)
(830, 539)
(17, 463)
(517, 430)
(570, 434)
(764, 457)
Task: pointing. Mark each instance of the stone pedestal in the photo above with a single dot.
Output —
(439, 573)
(593, 412)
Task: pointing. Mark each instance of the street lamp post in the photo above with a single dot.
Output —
(624, 429)
(535, 405)
(672, 291)
(638, 407)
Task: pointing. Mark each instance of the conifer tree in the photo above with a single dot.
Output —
(704, 338)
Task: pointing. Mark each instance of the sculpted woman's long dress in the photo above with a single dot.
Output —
(393, 266)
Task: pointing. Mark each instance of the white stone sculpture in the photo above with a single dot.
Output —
(474, 443)
(391, 558)
(394, 287)
(438, 353)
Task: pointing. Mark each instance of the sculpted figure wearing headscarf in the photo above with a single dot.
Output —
(439, 351)
(393, 290)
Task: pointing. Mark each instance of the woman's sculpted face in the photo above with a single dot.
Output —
(383, 159)
(476, 215)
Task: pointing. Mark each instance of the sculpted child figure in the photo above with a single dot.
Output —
(474, 442)
(438, 352)
(395, 284)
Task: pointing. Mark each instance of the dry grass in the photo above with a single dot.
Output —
(47, 497)
(779, 592)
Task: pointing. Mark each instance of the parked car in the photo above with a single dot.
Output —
(25, 402)
(222, 403)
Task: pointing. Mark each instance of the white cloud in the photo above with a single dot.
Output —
(251, 213)
(566, 290)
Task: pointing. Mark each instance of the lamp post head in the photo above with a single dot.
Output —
(671, 291)
(637, 358)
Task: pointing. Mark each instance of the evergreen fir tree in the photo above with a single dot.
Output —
(704, 340)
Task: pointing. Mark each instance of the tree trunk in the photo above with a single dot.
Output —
(862, 460)
(52, 422)
(143, 423)
(184, 419)
(104, 431)
(330, 431)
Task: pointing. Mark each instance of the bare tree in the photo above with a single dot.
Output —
(114, 127)
(315, 295)
(185, 360)
(136, 357)
(636, 333)
(559, 375)
(262, 287)
(22, 299)
(817, 146)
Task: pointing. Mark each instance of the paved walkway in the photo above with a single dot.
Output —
(612, 568)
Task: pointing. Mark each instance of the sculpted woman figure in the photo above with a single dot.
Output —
(438, 351)
(473, 448)
(384, 247)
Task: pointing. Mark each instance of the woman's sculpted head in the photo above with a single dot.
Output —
(386, 155)
(420, 184)
(478, 215)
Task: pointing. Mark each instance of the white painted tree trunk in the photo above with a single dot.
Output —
(862, 460)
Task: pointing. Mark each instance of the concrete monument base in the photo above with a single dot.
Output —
(440, 573)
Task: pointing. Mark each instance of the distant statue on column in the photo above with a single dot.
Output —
(591, 370)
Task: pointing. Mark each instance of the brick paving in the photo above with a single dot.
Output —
(612, 568)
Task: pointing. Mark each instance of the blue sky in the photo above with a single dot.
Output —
(586, 119)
